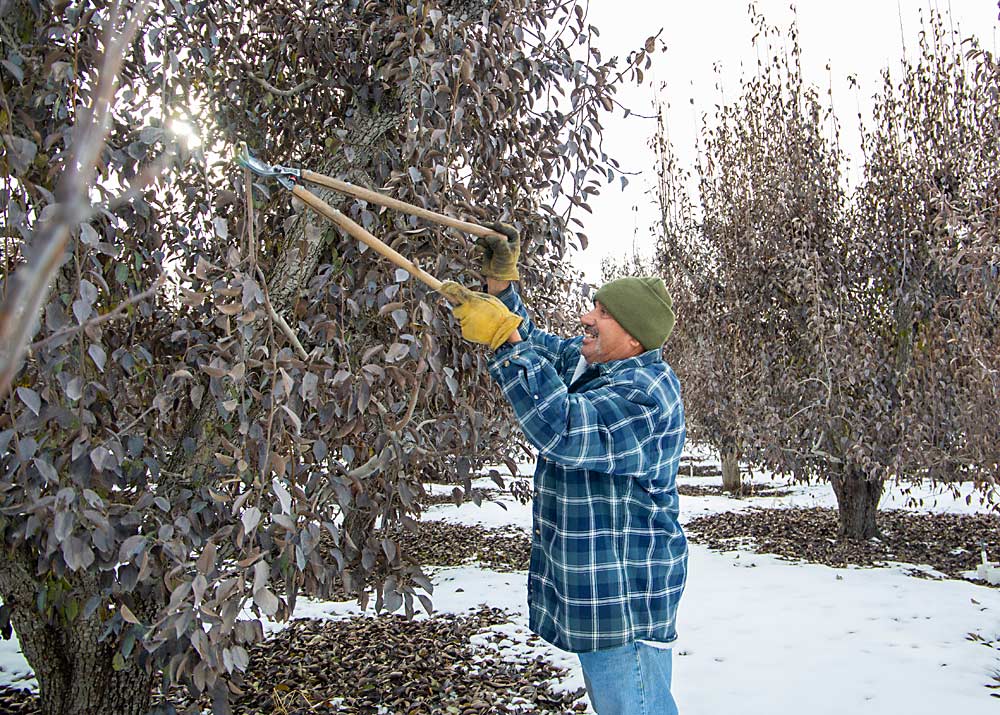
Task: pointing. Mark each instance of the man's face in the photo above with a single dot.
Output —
(604, 339)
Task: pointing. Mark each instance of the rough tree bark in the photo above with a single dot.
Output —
(731, 481)
(857, 503)
(74, 668)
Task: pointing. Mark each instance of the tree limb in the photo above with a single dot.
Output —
(24, 299)
(280, 321)
(283, 92)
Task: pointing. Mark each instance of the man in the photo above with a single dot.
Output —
(604, 411)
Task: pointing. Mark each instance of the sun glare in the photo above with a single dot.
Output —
(185, 132)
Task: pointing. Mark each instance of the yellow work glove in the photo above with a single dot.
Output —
(500, 253)
(484, 319)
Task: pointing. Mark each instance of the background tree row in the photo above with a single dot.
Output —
(833, 326)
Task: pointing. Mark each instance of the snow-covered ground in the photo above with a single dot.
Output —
(761, 635)
(14, 670)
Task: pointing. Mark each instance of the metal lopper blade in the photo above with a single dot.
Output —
(286, 176)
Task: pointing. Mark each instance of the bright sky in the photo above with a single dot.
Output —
(856, 37)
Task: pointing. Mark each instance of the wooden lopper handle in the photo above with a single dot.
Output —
(375, 197)
(351, 227)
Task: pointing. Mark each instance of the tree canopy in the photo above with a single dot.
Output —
(171, 458)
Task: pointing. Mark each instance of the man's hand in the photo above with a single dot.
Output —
(484, 319)
(500, 254)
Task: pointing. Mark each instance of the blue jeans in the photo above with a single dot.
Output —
(633, 679)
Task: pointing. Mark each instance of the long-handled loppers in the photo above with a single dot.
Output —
(290, 178)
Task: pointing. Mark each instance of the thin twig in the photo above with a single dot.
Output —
(373, 465)
(110, 315)
(411, 408)
(133, 423)
(285, 327)
(252, 253)
(251, 234)
(266, 462)
(405, 420)
(283, 92)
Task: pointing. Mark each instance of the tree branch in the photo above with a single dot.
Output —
(280, 321)
(110, 315)
(283, 92)
(24, 299)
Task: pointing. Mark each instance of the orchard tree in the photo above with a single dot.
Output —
(705, 347)
(937, 139)
(225, 402)
(745, 274)
(863, 324)
(969, 248)
(915, 334)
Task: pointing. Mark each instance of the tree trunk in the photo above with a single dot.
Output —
(78, 677)
(74, 668)
(857, 501)
(731, 481)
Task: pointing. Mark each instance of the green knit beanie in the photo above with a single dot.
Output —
(642, 306)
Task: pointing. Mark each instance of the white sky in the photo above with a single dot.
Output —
(856, 37)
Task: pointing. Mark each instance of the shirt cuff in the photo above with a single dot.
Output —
(505, 356)
(507, 295)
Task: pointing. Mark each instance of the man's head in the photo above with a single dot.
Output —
(630, 316)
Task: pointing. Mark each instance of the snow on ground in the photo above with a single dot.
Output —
(14, 669)
(920, 496)
(760, 635)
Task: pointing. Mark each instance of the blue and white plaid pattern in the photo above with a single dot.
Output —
(608, 558)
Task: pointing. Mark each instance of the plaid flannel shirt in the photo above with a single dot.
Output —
(608, 557)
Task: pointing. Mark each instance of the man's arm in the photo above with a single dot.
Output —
(500, 257)
(605, 430)
(496, 287)
(550, 347)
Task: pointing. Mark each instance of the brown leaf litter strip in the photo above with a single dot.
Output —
(369, 666)
(392, 665)
(949, 543)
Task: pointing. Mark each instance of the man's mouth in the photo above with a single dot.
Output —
(589, 333)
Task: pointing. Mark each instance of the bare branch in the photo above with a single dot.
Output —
(110, 315)
(24, 299)
(302, 86)
(23, 302)
(279, 321)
